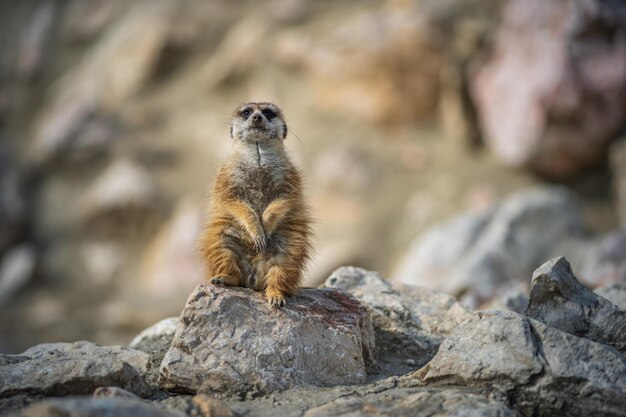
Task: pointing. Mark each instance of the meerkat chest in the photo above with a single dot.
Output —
(259, 185)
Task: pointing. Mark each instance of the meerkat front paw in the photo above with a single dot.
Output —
(217, 281)
(260, 242)
(275, 298)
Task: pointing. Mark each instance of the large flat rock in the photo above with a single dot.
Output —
(72, 368)
(231, 341)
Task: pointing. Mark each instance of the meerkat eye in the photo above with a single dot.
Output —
(269, 114)
(246, 113)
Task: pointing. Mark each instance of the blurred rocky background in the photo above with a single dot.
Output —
(454, 144)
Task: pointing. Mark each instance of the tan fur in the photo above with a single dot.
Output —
(258, 232)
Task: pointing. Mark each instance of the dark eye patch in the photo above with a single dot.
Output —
(269, 114)
(246, 113)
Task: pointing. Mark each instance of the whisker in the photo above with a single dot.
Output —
(297, 137)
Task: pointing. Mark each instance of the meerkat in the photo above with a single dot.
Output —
(258, 230)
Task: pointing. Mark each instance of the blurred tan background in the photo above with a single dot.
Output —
(402, 114)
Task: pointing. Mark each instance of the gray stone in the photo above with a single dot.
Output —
(410, 322)
(156, 337)
(155, 341)
(615, 293)
(542, 370)
(493, 250)
(96, 407)
(418, 403)
(559, 300)
(231, 341)
(73, 368)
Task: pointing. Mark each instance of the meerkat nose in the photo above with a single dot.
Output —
(256, 118)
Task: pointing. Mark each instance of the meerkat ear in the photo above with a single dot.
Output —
(284, 130)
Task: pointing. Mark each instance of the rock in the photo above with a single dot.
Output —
(112, 72)
(481, 255)
(231, 341)
(17, 266)
(409, 322)
(123, 189)
(155, 341)
(423, 403)
(73, 368)
(95, 407)
(559, 300)
(542, 370)
(617, 157)
(156, 337)
(170, 264)
(572, 102)
(615, 293)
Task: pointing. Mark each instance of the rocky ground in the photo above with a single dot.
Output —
(356, 346)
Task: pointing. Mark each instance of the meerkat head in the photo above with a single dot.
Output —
(257, 122)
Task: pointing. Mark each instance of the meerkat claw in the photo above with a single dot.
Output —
(260, 243)
(277, 301)
(217, 281)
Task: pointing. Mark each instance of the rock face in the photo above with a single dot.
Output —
(571, 103)
(410, 322)
(559, 300)
(542, 370)
(231, 341)
(72, 368)
(480, 255)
